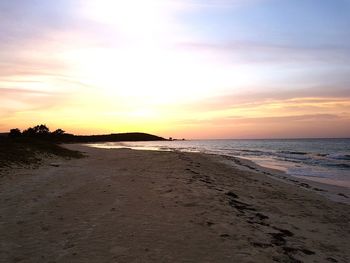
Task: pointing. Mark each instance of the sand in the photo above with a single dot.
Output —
(124, 205)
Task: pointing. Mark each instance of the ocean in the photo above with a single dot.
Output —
(324, 160)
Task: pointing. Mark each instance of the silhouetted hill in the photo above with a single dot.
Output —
(117, 137)
(43, 133)
(30, 145)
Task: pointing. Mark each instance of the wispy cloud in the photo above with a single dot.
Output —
(165, 62)
(292, 126)
(253, 98)
(16, 100)
(200, 4)
(255, 52)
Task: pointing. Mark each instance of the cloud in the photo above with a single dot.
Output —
(9, 92)
(14, 100)
(30, 67)
(26, 20)
(292, 126)
(204, 4)
(252, 97)
(262, 52)
(270, 115)
(65, 58)
(282, 119)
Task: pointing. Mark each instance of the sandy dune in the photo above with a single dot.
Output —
(142, 206)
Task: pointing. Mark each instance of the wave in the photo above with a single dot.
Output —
(326, 158)
(293, 152)
(340, 165)
(345, 157)
(251, 151)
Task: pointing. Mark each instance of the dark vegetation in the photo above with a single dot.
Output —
(117, 137)
(41, 132)
(29, 146)
(25, 151)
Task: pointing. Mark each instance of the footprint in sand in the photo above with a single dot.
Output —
(118, 250)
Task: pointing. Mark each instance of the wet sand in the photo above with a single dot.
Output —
(123, 205)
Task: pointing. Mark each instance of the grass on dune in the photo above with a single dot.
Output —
(29, 151)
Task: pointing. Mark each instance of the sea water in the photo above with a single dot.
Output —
(310, 158)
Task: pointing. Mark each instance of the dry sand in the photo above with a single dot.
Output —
(147, 206)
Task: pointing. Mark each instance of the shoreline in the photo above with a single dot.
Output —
(126, 206)
(269, 159)
(333, 192)
(323, 186)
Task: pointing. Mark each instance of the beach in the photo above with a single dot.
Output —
(122, 205)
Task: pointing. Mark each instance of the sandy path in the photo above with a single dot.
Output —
(140, 206)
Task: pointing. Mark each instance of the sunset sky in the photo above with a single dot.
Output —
(180, 68)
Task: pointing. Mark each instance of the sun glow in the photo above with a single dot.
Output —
(142, 64)
(128, 16)
(162, 66)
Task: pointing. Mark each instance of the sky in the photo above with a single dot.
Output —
(206, 69)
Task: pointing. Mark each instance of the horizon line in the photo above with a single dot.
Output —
(211, 139)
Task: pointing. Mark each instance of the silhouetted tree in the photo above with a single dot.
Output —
(15, 133)
(42, 129)
(29, 132)
(39, 130)
(58, 132)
